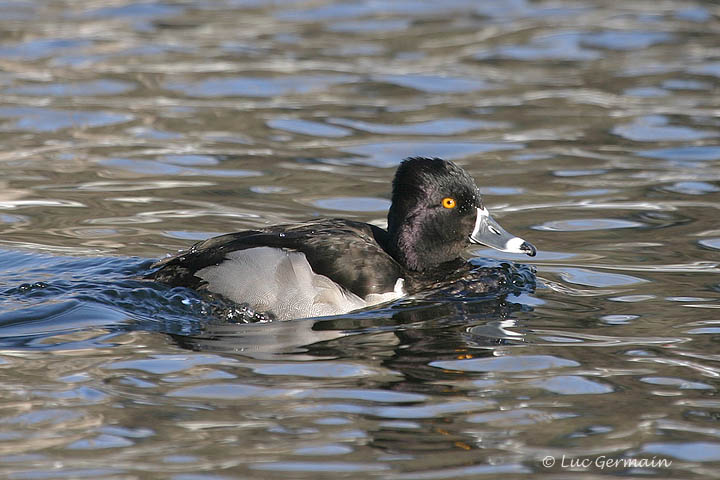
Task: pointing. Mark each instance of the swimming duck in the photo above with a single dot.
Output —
(334, 266)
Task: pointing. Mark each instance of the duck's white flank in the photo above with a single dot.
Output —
(282, 282)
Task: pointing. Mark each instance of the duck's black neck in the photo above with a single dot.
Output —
(403, 249)
(416, 245)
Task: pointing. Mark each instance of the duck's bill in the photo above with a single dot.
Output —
(488, 232)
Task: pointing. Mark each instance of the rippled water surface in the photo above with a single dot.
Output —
(131, 130)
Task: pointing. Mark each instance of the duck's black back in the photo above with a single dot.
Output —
(349, 253)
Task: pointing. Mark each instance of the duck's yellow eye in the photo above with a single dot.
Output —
(449, 202)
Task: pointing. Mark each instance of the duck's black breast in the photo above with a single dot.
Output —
(349, 253)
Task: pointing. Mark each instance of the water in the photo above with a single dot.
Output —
(130, 130)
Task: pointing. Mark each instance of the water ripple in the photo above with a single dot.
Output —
(389, 154)
(259, 86)
(591, 129)
(36, 119)
(90, 88)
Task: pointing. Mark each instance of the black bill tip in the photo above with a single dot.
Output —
(528, 249)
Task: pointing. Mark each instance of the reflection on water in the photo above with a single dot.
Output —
(130, 130)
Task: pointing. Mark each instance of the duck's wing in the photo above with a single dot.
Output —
(349, 253)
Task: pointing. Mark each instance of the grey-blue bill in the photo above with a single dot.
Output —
(489, 233)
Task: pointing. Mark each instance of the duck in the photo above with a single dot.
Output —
(333, 266)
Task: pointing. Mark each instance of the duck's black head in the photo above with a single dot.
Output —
(436, 212)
